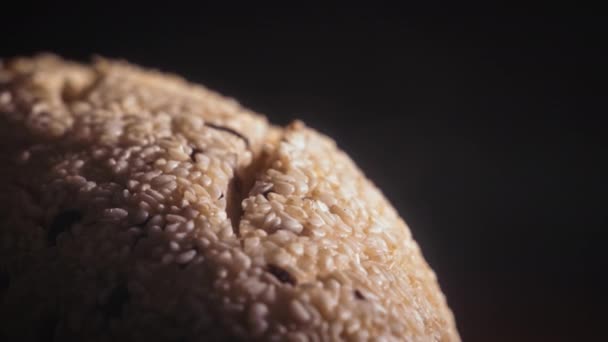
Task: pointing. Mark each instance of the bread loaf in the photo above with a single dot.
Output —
(139, 207)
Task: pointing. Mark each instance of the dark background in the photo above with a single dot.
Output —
(484, 127)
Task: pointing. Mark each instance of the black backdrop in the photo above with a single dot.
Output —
(484, 127)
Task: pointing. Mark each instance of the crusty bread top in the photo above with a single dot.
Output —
(205, 220)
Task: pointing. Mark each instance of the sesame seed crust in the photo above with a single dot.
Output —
(137, 206)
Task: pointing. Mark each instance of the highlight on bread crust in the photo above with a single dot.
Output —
(137, 206)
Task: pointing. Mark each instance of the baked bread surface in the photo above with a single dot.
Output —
(139, 207)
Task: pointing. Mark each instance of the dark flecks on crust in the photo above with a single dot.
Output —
(62, 222)
(359, 295)
(229, 130)
(113, 306)
(194, 152)
(144, 222)
(281, 274)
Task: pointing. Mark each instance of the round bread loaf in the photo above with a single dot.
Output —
(139, 207)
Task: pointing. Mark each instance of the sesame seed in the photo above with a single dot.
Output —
(186, 257)
(298, 310)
